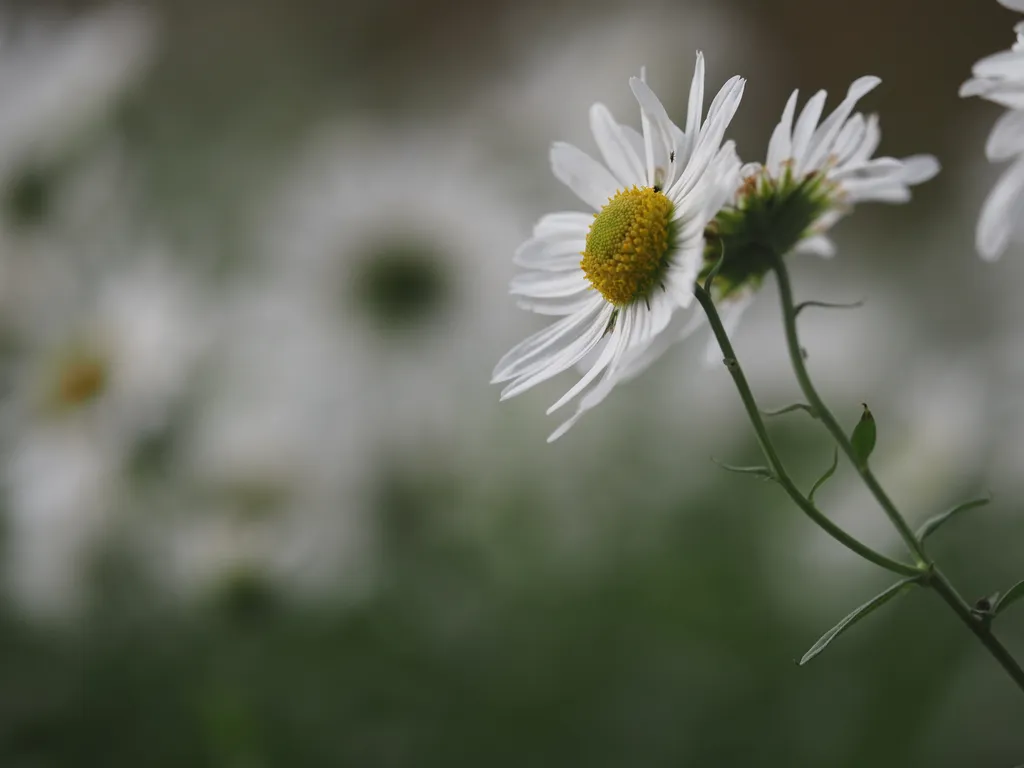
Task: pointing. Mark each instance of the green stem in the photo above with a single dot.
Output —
(772, 456)
(796, 357)
(980, 626)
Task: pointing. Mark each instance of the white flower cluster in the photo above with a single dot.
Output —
(657, 194)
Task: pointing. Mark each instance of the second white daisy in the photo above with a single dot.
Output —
(641, 251)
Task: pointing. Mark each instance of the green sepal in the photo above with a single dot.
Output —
(1012, 595)
(863, 437)
(790, 409)
(932, 524)
(871, 605)
(828, 473)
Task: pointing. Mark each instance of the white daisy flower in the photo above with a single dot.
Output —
(1000, 79)
(813, 176)
(415, 293)
(642, 250)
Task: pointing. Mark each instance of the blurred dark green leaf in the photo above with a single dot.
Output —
(1012, 595)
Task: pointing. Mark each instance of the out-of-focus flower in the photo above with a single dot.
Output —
(394, 240)
(276, 460)
(94, 376)
(58, 79)
(1000, 79)
(641, 251)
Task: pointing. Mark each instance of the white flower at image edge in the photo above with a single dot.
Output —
(641, 252)
(1000, 79)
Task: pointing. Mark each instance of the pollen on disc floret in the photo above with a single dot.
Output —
(627, 244)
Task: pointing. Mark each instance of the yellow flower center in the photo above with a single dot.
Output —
(627, 244)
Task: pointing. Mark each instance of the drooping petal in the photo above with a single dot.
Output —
(1000, 212)
(1007, 137)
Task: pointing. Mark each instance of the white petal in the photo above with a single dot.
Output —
(1014, 5)
(869, 141)
(918, 169)
(780, 147)
(567, 224)
(545, 285)
(660, 128)
(849, 138)
(550, 255)
(821, 145)
(874, 168)
(694, 111)
(616, 149)
(524, 354)
(591, 181)
(621, 334)
(1000, 211)
(818, 245)
(720, 114)
(562, 358)
(557, 306)
(804, 130)
(1007, 137)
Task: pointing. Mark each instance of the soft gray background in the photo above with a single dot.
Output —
(262, 508)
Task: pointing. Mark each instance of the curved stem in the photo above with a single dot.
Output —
(796, 357)
(979, 625)
(772, 456)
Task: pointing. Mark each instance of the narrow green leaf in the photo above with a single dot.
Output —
(826, 305)
(760, 471)
(1012, 595)
(932, 524)
(828, 473)
(790, 409)
(875, 602)
(863, 437)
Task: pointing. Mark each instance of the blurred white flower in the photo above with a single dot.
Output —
(97, 371)
(1000, 79)
(640, 253)
(277, 457)
(60, 78)
(396, 242)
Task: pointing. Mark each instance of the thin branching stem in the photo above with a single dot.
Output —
(772, 457)
(980, 625)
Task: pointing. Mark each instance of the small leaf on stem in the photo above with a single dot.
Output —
(863, 437)
(851, 619)
(826, 305)
(933, 524)
(828, 473)
(790, 409)
(760, 471)
(1012, 595)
